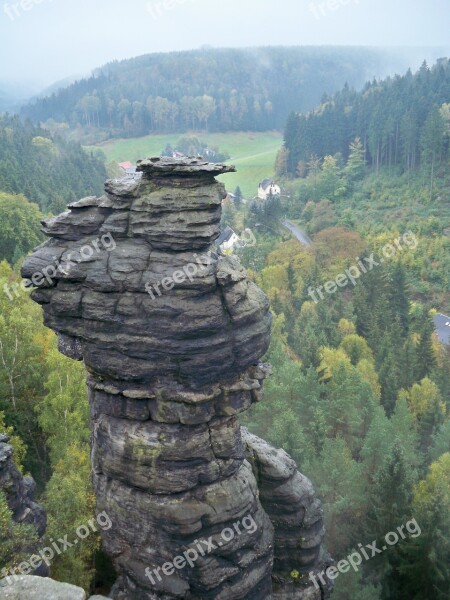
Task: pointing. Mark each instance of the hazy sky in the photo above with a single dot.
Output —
(48, 40)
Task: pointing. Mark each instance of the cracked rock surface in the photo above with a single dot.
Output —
(172, 335)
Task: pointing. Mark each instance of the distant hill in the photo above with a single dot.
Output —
(402, 120)
(54, 88)
(13, 95)
(251, 89)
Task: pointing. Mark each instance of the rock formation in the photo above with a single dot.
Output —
(171, 335)
(19, 492)
(27, 587)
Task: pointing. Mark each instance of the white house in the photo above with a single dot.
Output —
(268, 187)
(227, 239)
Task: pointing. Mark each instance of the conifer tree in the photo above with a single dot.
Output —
(237, 197)
(398, 296)
(424, 560)
(355, 166)
(426, 359)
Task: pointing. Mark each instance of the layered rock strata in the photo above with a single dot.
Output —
(288, 498)
(171, 335)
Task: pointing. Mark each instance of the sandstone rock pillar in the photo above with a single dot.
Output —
(171, 334)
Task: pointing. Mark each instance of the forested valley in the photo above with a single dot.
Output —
(360, 391)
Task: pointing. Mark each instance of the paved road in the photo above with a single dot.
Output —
(295, 229)
(442, 324)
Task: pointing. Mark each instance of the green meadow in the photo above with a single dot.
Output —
(253, 153)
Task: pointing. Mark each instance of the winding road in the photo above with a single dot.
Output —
(441, 321)
(442, 325)
(299, 234)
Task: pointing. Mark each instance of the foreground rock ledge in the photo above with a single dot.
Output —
(40, 588)
(171, 362)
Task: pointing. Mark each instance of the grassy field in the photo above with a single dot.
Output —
(252, 153)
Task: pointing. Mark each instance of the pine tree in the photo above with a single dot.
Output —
(426, 359)
(331, 184)
(398, 296)
(392, 492)
(388, 372)
(282, 162)
(349, 406)
(424, 560)
(432, 142)
(238, 197)
(292, 280)
(407, 364)
(441, 441)
(339, 482)
(440, 376)
(377, 444)
(355, 166)
(390, 507)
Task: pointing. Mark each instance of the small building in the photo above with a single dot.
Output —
(227, 239)
(128, 168)
(267, 188)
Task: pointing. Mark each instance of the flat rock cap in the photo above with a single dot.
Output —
(166, 166)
